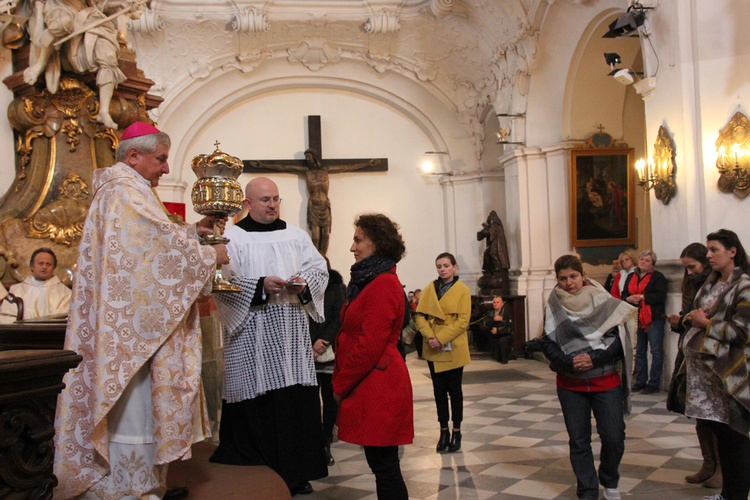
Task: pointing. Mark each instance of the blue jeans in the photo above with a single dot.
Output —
(653, 338)
(610, 424)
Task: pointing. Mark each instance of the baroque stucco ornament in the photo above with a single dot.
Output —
(383, 22)
(314, 54)
(434, 42)
(250, 20)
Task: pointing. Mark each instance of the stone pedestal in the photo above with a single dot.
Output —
(494, 283)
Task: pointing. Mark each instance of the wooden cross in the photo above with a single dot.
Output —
(316, 171)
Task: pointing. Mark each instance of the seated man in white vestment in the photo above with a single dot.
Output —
(135, 402)
(42, 292)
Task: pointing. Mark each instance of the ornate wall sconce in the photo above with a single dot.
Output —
(658, 173)
(733, 157)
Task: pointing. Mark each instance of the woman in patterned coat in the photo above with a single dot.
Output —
(370, 379)
(717, 359)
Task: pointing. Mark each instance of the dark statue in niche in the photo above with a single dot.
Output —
(496, 262)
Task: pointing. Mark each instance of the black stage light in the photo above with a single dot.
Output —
(627, 23)
(612, 58)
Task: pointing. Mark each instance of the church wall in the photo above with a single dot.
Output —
(259, 118)
(700, 85)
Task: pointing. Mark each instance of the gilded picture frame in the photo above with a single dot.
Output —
(602, 197)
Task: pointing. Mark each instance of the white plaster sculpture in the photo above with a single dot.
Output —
(82, 37)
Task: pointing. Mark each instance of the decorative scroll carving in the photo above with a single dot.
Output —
(149, 22)
(62, 220)
(200, 68)
(9, 262)
(250, 20)
(314, 54)
(383, 22)
(248, 62)
(31, 381)
(24, 149)
(441, 8)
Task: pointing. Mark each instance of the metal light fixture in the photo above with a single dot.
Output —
(427, 167)
(628, 23)
(658, 172)
(733, 157)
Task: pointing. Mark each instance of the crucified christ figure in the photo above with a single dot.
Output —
(318, 204)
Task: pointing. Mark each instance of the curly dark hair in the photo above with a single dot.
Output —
(383, 232)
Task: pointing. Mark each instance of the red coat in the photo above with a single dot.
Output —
(369, 373)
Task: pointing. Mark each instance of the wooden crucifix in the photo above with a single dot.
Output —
(316, 171)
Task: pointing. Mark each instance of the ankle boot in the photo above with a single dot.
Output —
(455, 441)
(445, 437)
(717, 480)
(709, 466)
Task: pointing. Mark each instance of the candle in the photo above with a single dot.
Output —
(650, 168)
(639, 168)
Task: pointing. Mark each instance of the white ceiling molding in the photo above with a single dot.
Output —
(483, 58)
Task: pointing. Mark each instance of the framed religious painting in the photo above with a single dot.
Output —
(602, 197)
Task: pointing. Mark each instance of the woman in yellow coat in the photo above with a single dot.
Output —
(442, 318)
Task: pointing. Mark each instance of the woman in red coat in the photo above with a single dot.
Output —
(370, 379)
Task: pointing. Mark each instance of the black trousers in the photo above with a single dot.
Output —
(384, 463)
(734, 454)
(502, 348)
(330, 408)
(444, 384)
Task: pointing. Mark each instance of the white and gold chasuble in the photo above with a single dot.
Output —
(133, 303)
(40, 298)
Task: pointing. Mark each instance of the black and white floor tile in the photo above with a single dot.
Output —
(515, 445)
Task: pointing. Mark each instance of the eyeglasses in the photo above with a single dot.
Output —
(268, 201)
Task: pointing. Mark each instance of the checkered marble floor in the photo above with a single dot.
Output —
(515, 445)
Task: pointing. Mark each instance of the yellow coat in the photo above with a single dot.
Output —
(447, 319)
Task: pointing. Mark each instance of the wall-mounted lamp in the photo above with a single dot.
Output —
(504, 134)
(428, 166)
(658, 172)
(733, 157)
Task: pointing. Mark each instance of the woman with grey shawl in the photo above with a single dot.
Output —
(587, 340)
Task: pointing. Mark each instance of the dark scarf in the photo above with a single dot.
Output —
(366, 270)
(441, 288)
(252, 226)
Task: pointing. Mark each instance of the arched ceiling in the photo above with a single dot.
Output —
(470, 53)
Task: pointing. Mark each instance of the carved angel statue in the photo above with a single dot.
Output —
(81, 36)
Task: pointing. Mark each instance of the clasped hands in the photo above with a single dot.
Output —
(635, 299)
(582, 363)
(434, 343)
(698, 317)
